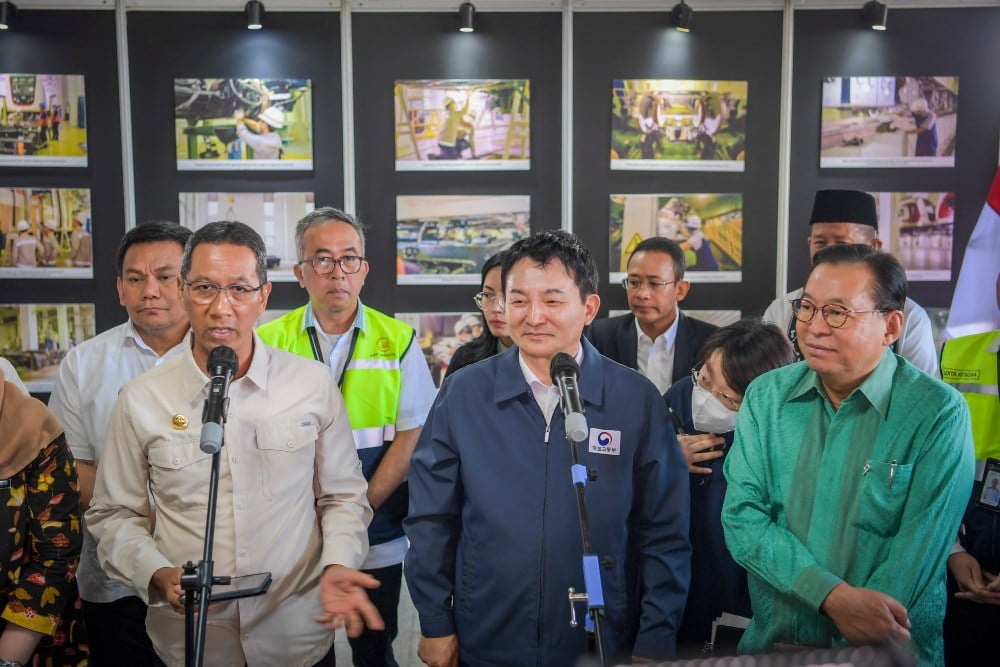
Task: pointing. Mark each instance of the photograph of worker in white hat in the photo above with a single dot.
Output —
(889, 121)
(707, 227)
(243, 124)
(440, 334)
(462, 125)
(45, 233)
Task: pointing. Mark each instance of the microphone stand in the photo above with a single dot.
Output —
(197, 580)
(594, 595)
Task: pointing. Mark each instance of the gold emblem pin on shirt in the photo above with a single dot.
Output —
(179, 422)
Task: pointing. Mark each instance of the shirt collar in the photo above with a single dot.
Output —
(195, 379)
(309, 319)
(668, 336)
(877, 387)
(129, 333)
(529, 375)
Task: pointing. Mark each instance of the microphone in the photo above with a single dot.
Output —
(565, 373)
(222, 365)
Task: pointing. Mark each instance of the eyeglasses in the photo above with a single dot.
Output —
(835, 316)
(204, 293)
(485, 301)
(634, 284)
(323, 266)
(699, 379)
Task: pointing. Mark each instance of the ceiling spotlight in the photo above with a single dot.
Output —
(466, 17)
(254, 11)
(680, 16)
(875, 14)
(8, 12)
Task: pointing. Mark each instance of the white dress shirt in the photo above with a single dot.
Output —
(10, 375)
(86, 389)
(291, 501)
(655, 358)
(546, 395)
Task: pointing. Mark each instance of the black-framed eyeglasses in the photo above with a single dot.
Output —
(699, 379)
(836, 316)
(634, 284)
(486, 301)
(323, 265)
(203, 292)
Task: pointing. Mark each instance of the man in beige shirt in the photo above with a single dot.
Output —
(291, 493)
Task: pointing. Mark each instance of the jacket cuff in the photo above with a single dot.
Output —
(437, 626)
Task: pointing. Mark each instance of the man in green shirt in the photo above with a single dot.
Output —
(849, 473)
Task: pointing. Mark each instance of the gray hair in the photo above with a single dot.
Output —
(227, 231)
(322, 216)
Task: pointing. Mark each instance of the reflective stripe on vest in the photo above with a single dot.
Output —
(376, 436)
(969, 364)
(984, 389)
(373, 364)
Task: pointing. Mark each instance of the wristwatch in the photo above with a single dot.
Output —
(10, 663)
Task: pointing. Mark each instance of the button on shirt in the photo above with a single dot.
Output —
(291, 501)
(90, 378)
(655, 358)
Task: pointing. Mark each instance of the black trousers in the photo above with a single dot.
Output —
(117, 633)
(373, 648)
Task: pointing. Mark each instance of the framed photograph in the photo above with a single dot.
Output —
(889, 121)
(271, 214)
(46, 233)
(35, 338)
(678, 125)
(446, 239)
(917, 228)
(462, 125)
(440, 334)
(708, 227)
(43, 120)
(243, 124)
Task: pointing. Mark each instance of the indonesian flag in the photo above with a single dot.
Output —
(974, 307)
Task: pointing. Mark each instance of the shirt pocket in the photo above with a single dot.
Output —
(178, 472)
(883, 496)
(287, 452)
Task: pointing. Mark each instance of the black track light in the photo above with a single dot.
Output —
(680, 16)
(466, 17)
(254, 11)
(875, 14)
(8, 12)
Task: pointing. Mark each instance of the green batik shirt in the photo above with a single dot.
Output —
(871, 494)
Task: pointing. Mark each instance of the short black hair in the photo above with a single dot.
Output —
(150, 232)
(543, 247)
(667, 247)
(228, 231)
(889, 276)
(749, 349)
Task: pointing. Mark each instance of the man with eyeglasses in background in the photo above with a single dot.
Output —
(656, 338)
(291, 496)
(849, 473)
(387, 388)
(850, 216)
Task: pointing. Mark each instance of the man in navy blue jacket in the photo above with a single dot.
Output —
(493, 525)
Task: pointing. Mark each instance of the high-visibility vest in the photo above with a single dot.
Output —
(969, 364)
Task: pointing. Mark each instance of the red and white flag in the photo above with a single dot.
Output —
(974, 307)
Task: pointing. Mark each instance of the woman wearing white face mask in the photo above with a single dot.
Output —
(706, 404)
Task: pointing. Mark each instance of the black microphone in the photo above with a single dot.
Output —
(222, 365)
(565, 373)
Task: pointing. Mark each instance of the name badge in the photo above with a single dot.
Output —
(605, 441)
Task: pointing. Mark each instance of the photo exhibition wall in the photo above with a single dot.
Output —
(462, 143)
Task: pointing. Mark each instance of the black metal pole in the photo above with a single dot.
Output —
(198, 584)
(591, 566)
